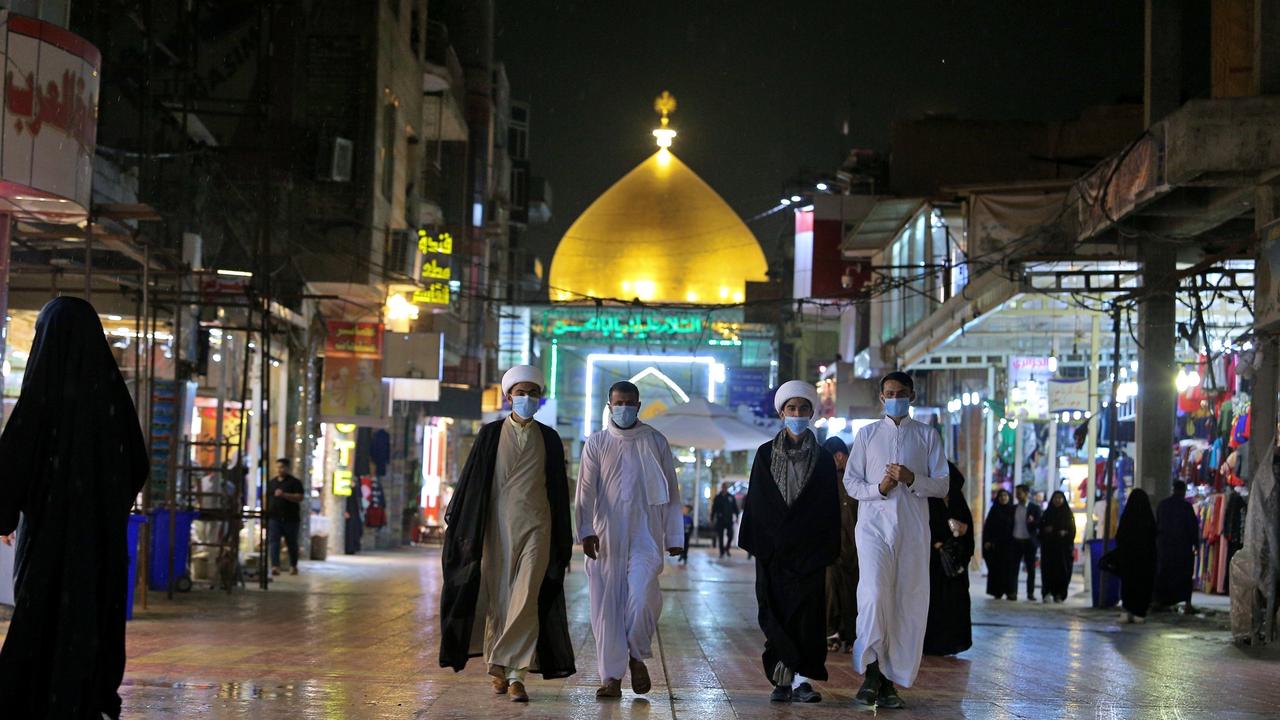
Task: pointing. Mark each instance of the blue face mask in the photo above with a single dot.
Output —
(797, 425)
(526, 406)
(624, 416)
(897, 407)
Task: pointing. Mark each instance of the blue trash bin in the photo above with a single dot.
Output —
(158, 572)
(1105, 587)
(135, 526)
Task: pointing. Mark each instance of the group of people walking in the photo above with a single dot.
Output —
(886, 514)
(1016, 533)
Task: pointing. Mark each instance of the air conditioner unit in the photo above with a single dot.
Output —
(337, 158)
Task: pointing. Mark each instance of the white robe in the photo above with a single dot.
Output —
(893, 543)
(628, 497)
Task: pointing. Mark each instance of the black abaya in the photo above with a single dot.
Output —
(1057, 549)
(949, 629)
(353, 525)
(793, 547)
(842, 576)
(1136, 551)
(73, 461)
(1177, 536)
(999, 551)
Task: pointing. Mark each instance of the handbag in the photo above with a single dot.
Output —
(952, 557)
(1110, 562)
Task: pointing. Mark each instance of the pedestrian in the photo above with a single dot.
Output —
(842, 575)
(998, 549)
(1026, 536)
(791, 525)
(629, 511)
(1136, 557)
(1057, 548)
(895, 466)
(724, 513)
(353, 523)
(507, 545)
(687, 519)
(284, 517)
(74, 461)
(949, 629)
(1177, 536)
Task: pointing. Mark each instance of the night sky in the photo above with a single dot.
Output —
(764, 88)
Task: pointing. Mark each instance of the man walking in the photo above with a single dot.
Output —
(1026, 536)
(507, 546)
(895, 466)
(284, 514)
(842, 576)
(724, 513)
(1177, 536)
(628, 512)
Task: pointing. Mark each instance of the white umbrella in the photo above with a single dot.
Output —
(705, 425)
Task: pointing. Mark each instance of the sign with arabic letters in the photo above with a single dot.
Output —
(49, 119)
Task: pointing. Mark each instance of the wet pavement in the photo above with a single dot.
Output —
(356, 637)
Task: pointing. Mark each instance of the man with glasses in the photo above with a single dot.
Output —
(894, 467)
(507, 546)
(628, 511)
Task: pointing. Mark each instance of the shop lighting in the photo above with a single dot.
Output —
(115, 318)
(1186, 380)
(217, 357)
(235, 273)
(1066, 416)
(1053, 364)
(397, 308)
(837, 425)
(822, 187)
(967, 399)
(1077, 415)
(785, 201)
(795, 198)
(1126, 391)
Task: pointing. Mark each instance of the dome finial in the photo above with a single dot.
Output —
(664, 104)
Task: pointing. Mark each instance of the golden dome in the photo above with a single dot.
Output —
(660, 234)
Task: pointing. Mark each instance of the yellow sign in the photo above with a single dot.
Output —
(437, 293)
(342, 483)
(342, 476)
(441, 244)
(435, 271)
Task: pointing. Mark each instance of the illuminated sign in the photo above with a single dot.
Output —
(437, 293)
(435, 271)
(354, 339)
(441, 244)
(343, 477)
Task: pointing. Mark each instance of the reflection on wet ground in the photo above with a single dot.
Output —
(355, 637)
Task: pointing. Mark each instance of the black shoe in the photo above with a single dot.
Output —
(806, 694)
(888, 697)
(870, 686)
(781, 693)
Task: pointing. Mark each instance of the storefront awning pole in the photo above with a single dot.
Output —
(1113, 426)
(1091, 446)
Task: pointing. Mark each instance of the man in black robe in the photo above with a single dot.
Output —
(791, 524)
(842, 576)
(1177, 537)
(474, 505)
(73, 461)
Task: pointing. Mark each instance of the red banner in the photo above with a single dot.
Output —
(354, 339)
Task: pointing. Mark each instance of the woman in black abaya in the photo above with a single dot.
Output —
(1136, 556)
(998, 549)
(72, 460)
(1057, 547)
(949, 630)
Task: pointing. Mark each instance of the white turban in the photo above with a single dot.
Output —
(523, 373)
(795, 389)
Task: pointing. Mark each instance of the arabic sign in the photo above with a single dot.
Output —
(437, 252)
(49, 120)
(354, 339)
(619, 327)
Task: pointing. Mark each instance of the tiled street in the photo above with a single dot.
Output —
(356, 638)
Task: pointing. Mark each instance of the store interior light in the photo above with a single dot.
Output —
(1053, 364)
(785, 201)
(795, 198)
(235, 273)
(1186, 380)
(822, 187)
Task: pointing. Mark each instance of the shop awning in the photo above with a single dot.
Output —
(880, 226)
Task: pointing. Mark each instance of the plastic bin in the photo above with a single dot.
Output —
(159, 573)
(135, 526)
(1105, 587)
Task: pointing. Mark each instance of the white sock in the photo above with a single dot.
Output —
(795, 683)
(514, 675)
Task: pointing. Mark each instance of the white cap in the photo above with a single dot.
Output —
(523, 373)
(795, 389)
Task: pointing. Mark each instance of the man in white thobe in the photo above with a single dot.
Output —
(628, 510)
(894, 466)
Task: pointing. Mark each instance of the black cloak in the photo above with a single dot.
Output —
(793, 547)
(949, 629)
(999, 552)
(73, 460)
(1136, 551)
(842, 577)
(1177, 536)
(1057, 548)
(464, 548)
